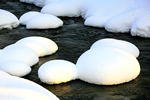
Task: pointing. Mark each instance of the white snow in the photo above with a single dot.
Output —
(141, 25)
(44, 21)
(8, 20)
(70, 8)
(21, 94)
(41, 45)
(107, 66)
(57, 71)
(119, 16)
(15, 68)
(27, 16)
(120, 44)
(19, 53)
(22, 89)
(3, 73)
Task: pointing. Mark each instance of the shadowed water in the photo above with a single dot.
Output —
(73, 39)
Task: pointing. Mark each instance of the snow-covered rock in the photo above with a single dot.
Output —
(19, 53)
(44, 21)
(118, 16)
(57, 71)
(8, 20)
(15, 68)
(27, 16)
(120, 44)
(41, 45)
(15, 88)
(107, 66)
(122, 22)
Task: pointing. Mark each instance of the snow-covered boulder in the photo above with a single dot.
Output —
(15, 68)
(44, 21)
(15, 88)
(107, 66)
(122, 22)
(19, 53)
(121, 44)
(8, 20)
(41, 45)
(3, 73)
(57, 71)
(27, 16)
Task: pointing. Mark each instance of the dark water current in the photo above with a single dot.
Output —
(73, 39)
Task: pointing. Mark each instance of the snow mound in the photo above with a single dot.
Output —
(8, 20)
(15, 68)
(11, 86)
(27, 16)
(120, 44)
(107, 66)
(2, 73)
(57, 71)
(63, 8)
(44, 21)
(119, 16)
(41, 45)
(19, 53)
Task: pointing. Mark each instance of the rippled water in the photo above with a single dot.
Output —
(73, 39)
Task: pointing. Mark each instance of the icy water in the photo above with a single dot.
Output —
(73, 39)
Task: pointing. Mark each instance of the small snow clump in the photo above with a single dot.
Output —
(57, 71)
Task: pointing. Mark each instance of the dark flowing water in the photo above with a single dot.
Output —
(73, 39)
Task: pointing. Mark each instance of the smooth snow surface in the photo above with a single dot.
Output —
(70, 8)
(27, 16)
(8, 20)
(15, 68)
(21, 94)
(121, 44)
(107, 66)
(15, 88)
(19, 53)
(44, 21)
(41, 45)
(2, 73)
(57, 71)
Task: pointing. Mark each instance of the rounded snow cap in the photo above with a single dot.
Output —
(44, 21)
(41, 45)
(57, 71)
(19, 53)
(15, 68)
(120, 44)
(8, 20)
(27, 16)
(107, 66)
